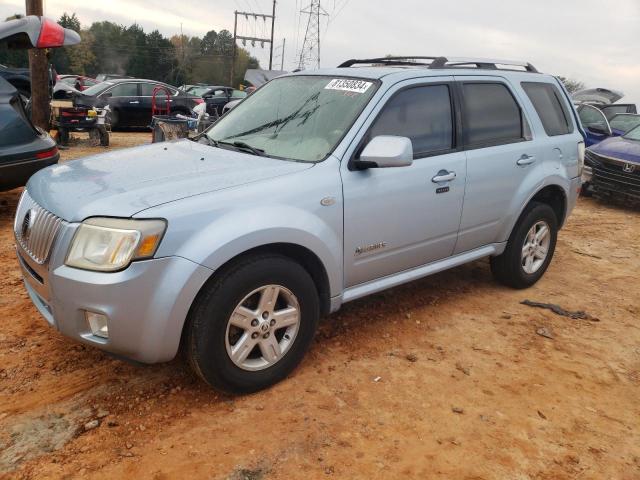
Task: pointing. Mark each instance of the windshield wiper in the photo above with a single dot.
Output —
(243, 146)
(210, 141)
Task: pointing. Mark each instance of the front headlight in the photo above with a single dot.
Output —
(110, 244)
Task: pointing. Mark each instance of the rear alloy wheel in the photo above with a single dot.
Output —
(536, 247)
(530, 248)
(252, 324)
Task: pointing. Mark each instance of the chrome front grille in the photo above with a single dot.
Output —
(35, 228)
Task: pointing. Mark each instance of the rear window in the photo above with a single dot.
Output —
(491, 115)
(552, 111)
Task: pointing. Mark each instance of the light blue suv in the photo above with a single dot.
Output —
(320, 188)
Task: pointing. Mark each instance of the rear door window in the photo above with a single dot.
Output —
(125, 90)
(423, 114)
(553, 113)
(147, 90)
(491, 115)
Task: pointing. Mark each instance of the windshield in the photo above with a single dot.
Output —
(97, 89)
(625, 122)
(633, 134)
(298, 117)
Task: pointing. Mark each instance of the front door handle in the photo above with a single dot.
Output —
(134, 102)
(526, 160)
(444, 176)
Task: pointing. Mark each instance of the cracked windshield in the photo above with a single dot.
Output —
(299, 118)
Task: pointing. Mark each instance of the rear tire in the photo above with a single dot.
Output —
(529, 249)
(237, 343)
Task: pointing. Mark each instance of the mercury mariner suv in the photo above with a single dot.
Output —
(320, 188)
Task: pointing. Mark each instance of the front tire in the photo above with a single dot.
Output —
(252, 324)
(530, 248)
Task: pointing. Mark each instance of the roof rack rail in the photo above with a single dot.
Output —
(443, 62)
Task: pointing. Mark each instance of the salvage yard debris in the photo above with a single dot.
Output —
(558, 310)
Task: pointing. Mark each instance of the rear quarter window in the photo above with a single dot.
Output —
(553, 113)
(491, 115)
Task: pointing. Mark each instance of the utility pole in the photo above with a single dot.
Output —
(233, 55)
(284, 43)
(273, 24)
(310, 51)
(254, 17)
(39, 72)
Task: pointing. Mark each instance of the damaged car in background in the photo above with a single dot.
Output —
(25, 147)
(597, 107)
(612, 168)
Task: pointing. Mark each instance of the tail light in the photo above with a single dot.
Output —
(47, 153)
(51, 34)
(581, 153)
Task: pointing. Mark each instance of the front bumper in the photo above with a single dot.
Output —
(146, 304)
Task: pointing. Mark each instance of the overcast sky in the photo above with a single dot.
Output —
(595, 41)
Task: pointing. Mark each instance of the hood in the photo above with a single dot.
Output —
(125, 182)
(603, 96)
(620, 148)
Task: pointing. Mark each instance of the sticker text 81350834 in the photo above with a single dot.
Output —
(348, 85)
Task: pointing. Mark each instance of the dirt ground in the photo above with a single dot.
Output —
(450, 377)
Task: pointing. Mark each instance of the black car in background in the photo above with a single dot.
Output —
(18, 77)
(216, 96)
(130, 100)
(24, 148)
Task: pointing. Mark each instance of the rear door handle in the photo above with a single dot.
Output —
(444, 176)
(135, 102)
(526, 160)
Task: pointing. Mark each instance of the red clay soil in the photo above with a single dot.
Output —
(449, 377)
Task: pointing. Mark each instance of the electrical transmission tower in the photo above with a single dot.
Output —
(310, 51)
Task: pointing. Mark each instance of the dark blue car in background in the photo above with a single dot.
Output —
(612, 167)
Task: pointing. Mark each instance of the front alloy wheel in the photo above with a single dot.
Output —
(262, 327)
(252, 323)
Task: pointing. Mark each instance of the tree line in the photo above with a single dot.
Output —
(107, 47)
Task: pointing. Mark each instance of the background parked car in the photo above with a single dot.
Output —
(624, 122)
(605, 100)
(79, 82)
(101, 77)
(612, 167)
(25, 148)
(216, 96)
(130, 100)
(596, 126)
(18, 77)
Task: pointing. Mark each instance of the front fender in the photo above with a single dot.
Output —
(237, 232)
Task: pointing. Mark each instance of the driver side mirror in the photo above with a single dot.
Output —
(386, 151)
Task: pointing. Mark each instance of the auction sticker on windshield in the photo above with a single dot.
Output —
(348, 85)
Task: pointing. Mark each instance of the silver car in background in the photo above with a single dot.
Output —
(320, 188)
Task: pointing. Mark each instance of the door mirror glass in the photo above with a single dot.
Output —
(386, 151)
